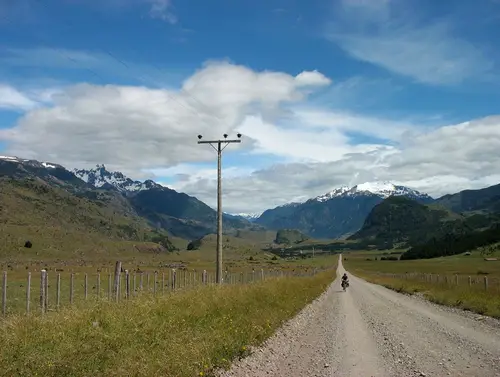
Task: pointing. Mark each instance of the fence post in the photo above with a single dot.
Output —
(118, 269)
(204, 279)
(127, 284)
(134, 284)
(43, 279)
(147, 280)
(110, 283)
(71, 287)
(85, 285)
(58, 291)
(261, 274)
(185, 278)
(486, 282)
(28, 294)
(4, 294)
(155, 279)
(118, 286)
(98, 285)
(163, 283)
(46, 290)
(253, 275)
(141, 281)
(456, 279)
(470, 281)
(174, 278)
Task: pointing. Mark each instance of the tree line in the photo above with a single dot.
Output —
(453, 244)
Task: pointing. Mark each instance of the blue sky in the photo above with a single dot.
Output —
(130, 83)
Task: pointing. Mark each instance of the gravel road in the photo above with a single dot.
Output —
(373, 331)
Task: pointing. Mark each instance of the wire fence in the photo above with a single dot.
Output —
(476, 283)
(47, 291)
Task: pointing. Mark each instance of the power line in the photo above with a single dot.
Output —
(217, 145)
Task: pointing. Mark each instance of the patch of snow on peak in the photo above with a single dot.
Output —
(34, 163)
(47, 165)
(248, 216)
(382, 189)
(99, 177)
(334, 193)
(9, 158)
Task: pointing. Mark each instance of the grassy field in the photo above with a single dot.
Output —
(188, 333)
(415, 277)
(242, 265)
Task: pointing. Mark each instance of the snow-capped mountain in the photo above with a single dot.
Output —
(247, 216)
(32, 163)
(380, 189)
(337, 213)
(101, 178)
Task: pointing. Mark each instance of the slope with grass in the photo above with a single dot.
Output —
(62, 225)
(181, 215)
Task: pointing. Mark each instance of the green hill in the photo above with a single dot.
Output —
(60, 224)
(399, 220)
(483, 200)
(177, 213)
(289, 237)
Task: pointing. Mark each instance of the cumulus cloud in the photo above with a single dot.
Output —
(135, 128)
(445, 160)
(312, 78)
(388, 34)
(146, 132)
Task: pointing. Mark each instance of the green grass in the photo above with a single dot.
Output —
(189, 276)
(188, 333)
(410, 277)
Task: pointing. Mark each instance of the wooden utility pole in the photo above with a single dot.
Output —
(218, 146)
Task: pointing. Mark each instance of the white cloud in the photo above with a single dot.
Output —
(445, 160)
(134, 128)
(11, 98)
(388, 34)
(312, 78)
(162, 9)
(152, 133)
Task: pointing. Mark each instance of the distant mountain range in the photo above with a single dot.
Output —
(338, 213)
(180, 214)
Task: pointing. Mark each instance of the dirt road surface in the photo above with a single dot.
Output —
(373, 331)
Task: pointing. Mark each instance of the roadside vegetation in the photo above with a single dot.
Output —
(187, 333)
(409, 276)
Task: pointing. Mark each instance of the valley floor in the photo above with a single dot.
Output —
(373, 331)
